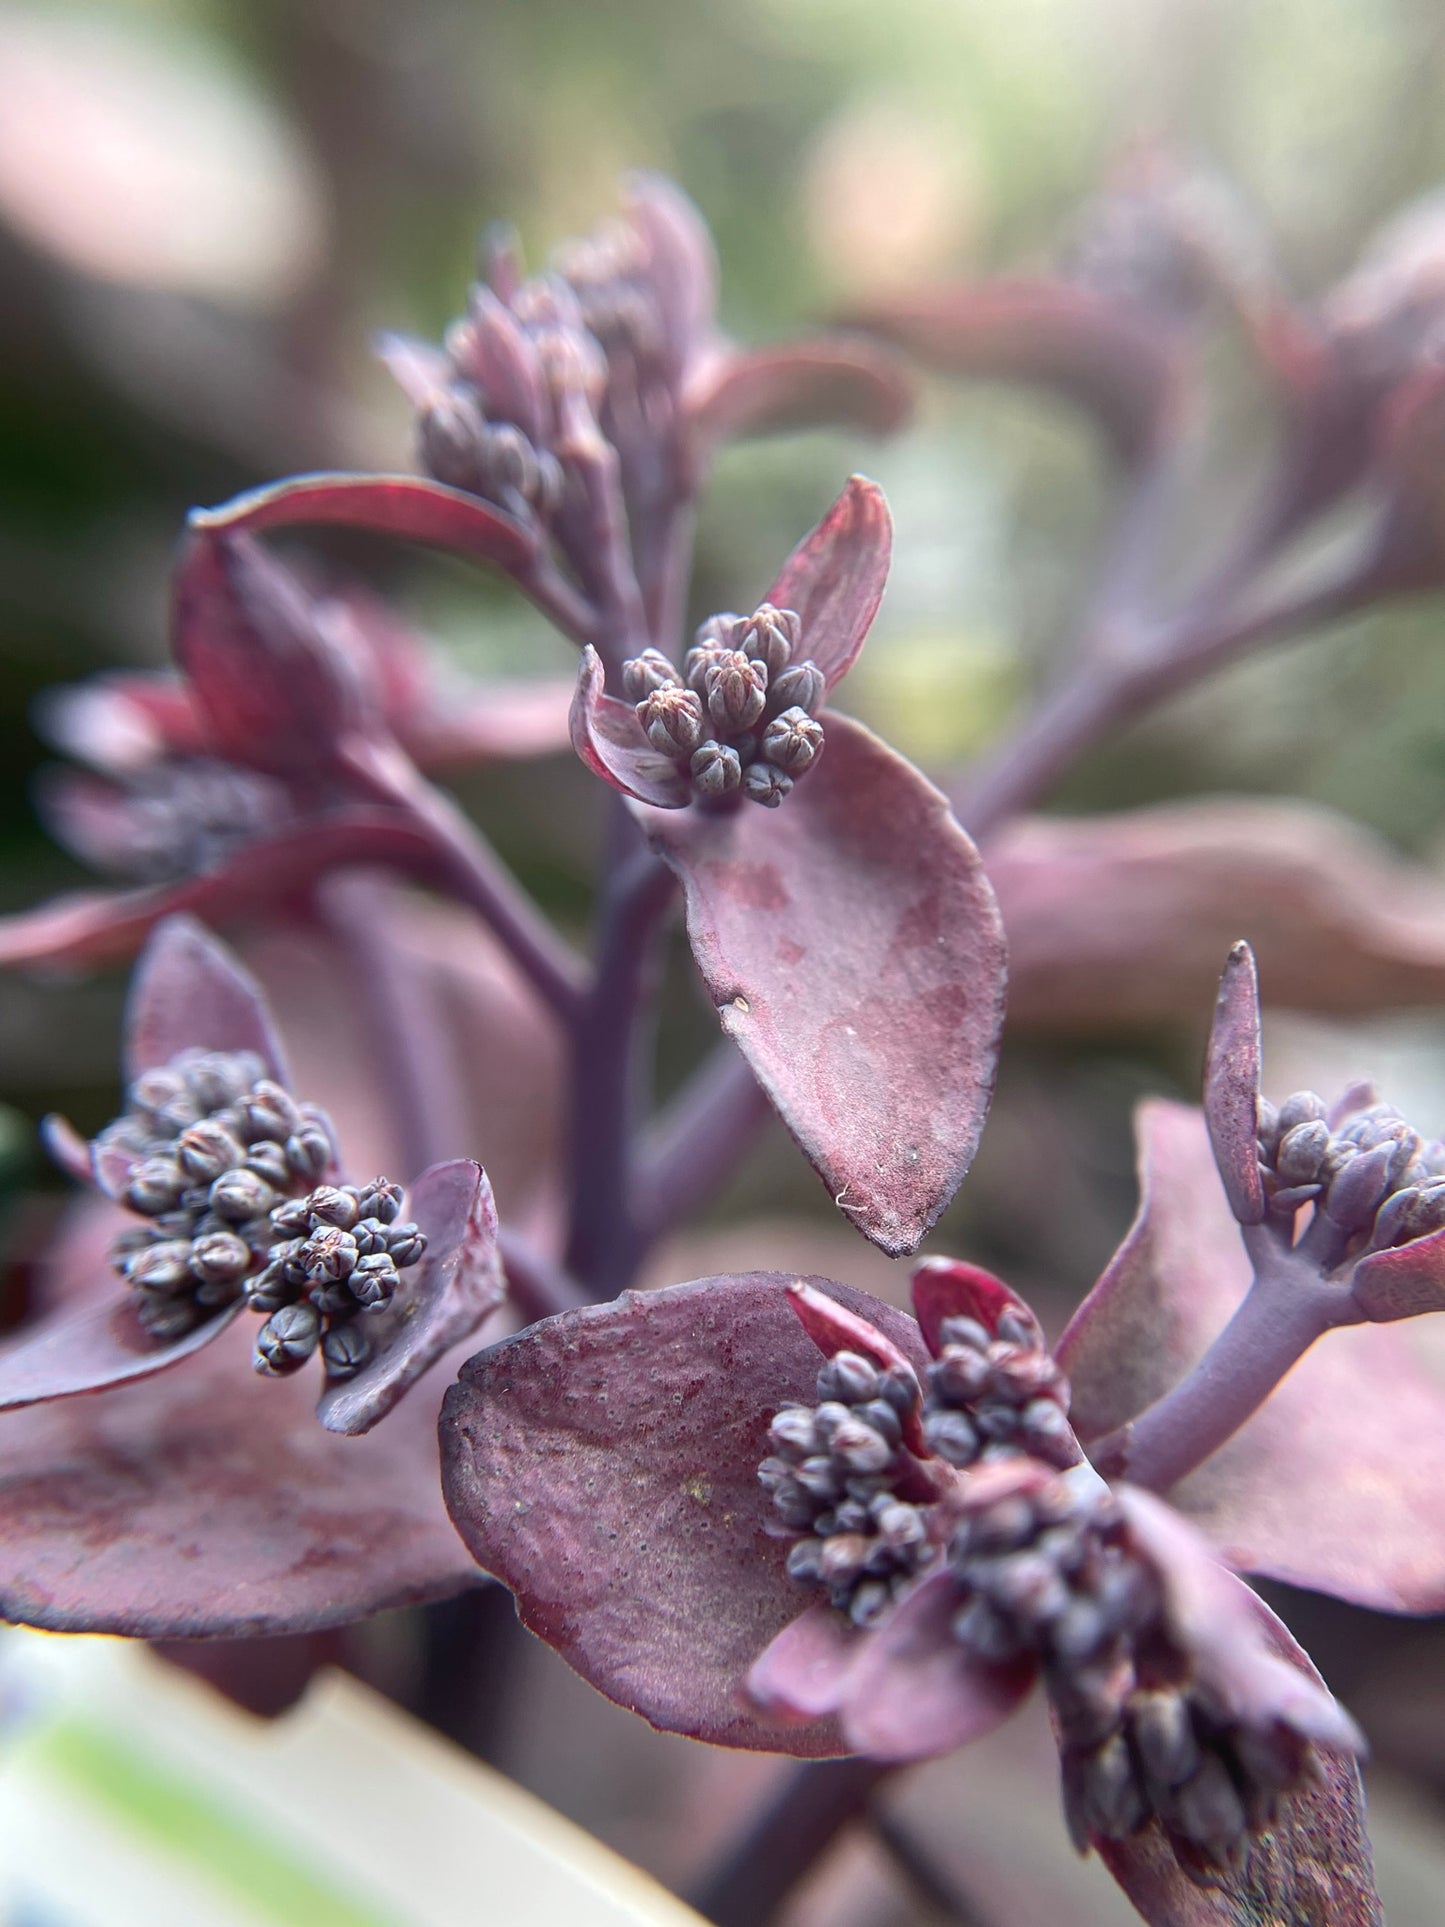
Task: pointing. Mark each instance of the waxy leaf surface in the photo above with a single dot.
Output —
(603, 1464)
(104, 1344)
(852, 947)
(1334, 1483)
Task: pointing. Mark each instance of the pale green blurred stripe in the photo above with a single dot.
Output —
(161, 1809)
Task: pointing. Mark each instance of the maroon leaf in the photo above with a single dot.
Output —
(210, 1502)
(105, 1344)
(914, 1692)
(802, 1674)
(852, 947)
(1231, 1086)
(1312, 1866)
(459, 1284)
(400, 505)
(1335, 1481)
(1091, 349)
(604, 1466)
(1402, 1282)
(189, 992)
(798, 384)
(948, 1288)
(834, 579)
(608, 737)
(67, 1147)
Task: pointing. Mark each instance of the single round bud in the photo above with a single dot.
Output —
(268, 1160)
(156, 1089)
(1358, 1187)
(374, 1281)
(218, 1078)
(330, 1253)
(958, 1375)
(239, 1195)
(379, 1199)
(507, 465)
(270, 1112)
(333, 1204)
(1301, 1107)
(166, 1317)
(450, 433)
(1163, 1736)
(644, 675)
(737, 692)
(370, 1235)
(163, 1267)
(952, 1437)
(805, 1561)
(769, 636)
(308, 1150)
(155, 1186)
(672, 721)
(802, 685)
(205, 1149)
(220, 1258)
(793, 740)
(793, 1434)
(405, 1244)
(345, 1350)
(270, 1289)
(849, 1378)
(715, 769)
(763, 783)
(1302, 1152)
(716, 632)
(287, 1339)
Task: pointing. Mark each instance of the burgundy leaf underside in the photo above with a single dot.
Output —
(1334, 1483)
(852, 947)
(1313, 1867)
(210, 1502)
(604, 1466)
(460, 1284)
(188, 993)
(834, 579)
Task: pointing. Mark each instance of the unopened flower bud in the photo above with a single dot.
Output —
(737, 692)
(154, 1090)
(345, 1349)
(450, 432)
(162, 1267)
(166, 1317)
(271, 1113)
(793, 740)
(220, 1258)
(330, 1253)
(270, 1289)
(1359, 1187)
(802, 685)
(308, 1151)
(239, 1195)
(205, 1149)
(769, 636)
(291, 1219)
(379, 1199)
(287, 1339)
(1302, 1151)
(672, 720)
(330, 1204)
(793, 1434)
(763, 783)
(1301, 1107)
(715, 769)
(218, 1078)
(1164, 1736)
(268, 1161)
(155, 1185)
(507, 466)
(1266, 1125)
(644, 675)
(405, 1244)
(1113, 1798)
(952, 1437)
(374, 1281)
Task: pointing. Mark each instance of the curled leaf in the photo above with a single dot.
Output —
(852, 947)
(603, 1464)
(608, 737)
(949, 1288)
(1231, 1086)
(1402, 1282)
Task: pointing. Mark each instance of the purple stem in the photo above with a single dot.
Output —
(538, 1287)
(608, 1044)
(1288, 1306)
(802, 1820)
(937, 1884)
(698, 1142)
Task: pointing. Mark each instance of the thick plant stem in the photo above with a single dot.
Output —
(602, 1245)
(699, 1141)
(1286, 1309)
(812, 1807)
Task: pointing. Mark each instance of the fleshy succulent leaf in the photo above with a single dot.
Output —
(834, 579)
(608, 737)
(189, 992)
(101, 1345)
(458, 1285)
(1231, 1086)
(852, 947)
(603, 1464)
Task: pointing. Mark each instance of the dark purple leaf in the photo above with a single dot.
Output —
(798, 384)
(400, 505)
(914, 1692)
(1115, 364)
(1334, 1483)
(834, 579)
(459, 1284)
(1313, 1866)
(1231, 1086)
(87, 1351)
(802, 1674)
(608, 737)
(189, 992)
(210, 1502)
(852, 947)
(1402, 1282)
(603, 1465)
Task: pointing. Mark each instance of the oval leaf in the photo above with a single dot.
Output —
(459, 1284)
(1231, 1086)
(188, 993)
(400, 505)
(1351, 1508)
(851, 944)
(608, 737)
(1403, 1282)
(603, 1464)
(834, 579)
(104, 1344)
(210, 1502)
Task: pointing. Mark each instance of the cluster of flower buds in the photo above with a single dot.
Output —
(740, 717)
(607, 272)
(996, 1395)
(834, 1476)
(1050, 1568)
(1376, 1181)
(338, 1252)
(212, 1146)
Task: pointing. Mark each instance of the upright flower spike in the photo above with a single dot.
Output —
(238, 1206)
(655, 1477)
(879, 1054)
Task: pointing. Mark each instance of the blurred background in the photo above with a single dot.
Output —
(207, 210)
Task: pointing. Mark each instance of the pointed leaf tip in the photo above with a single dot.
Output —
(189, 992)
(834, 579)
(1231, 1085)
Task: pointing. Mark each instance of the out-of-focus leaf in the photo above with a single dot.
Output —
(851, 945)
(189, 993)
(1334, 1482)
(799, 384)
(603, 1464)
